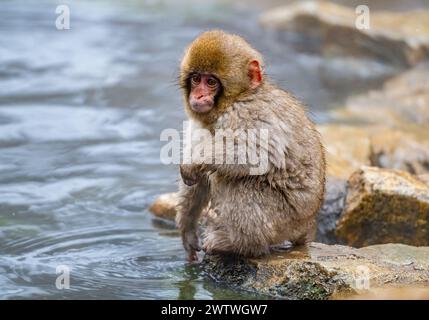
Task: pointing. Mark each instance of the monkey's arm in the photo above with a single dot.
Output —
(247, 155)
(193, 199)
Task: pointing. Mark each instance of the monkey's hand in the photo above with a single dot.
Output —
(191, 244)
(191, 173)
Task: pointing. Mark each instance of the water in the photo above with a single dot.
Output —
(81, 112)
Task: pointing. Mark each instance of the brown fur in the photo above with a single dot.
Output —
(247, 214)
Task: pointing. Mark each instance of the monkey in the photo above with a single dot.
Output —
(225, 87)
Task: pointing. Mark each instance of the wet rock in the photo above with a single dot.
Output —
(165, 206)
(398, 150)
(385, 206)
(335, 195)
(399, 38)
(322, 271)
(347, 148)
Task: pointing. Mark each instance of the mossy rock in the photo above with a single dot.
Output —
(321, 272)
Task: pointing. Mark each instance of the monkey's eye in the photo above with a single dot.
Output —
(212, 82)
(195, 79)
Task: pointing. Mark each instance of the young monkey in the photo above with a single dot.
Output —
(225, 88)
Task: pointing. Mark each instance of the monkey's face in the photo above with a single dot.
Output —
(203, 90)
(216, 71)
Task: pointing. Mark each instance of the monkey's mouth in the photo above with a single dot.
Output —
(201, 107)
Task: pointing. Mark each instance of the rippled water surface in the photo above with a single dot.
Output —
(81, 112)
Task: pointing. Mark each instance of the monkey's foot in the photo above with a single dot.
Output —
(191, 244)
(192, 256)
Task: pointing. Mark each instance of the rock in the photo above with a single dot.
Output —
(399, 38)
(424, 178)
(385, 206)
(394, 119)
(322, 271)
(335, 196)
(398, 150)
(410, 293)
(402, 103)
(408, 94)
(165, 206)
(347, 148)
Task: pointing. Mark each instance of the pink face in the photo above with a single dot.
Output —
(203, 90)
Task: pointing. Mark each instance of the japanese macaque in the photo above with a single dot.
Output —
(248, 210)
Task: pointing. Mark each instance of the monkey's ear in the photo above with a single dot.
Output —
(255, 74)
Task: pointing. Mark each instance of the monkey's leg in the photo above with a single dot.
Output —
(303, 240)
(226, 240)
(306, 236)
(241, 227)
(192, 201)
(216, 240)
